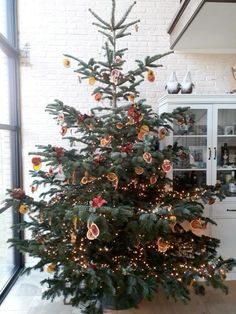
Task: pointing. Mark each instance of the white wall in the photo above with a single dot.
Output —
(64, 26)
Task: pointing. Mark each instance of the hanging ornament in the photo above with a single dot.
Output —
(82, 117)
(130, 121)
(162, 245)
(128, 149)
(34, 188)
(118, 59)
(99, 159)
(66, 63)
(180, 121)
(51, 268)
(92, 265)
(23, 209)
(60, 174)
(172, 219)
(90, 235)
(131, 98)
(111, 176)
(87, 178)
(93, 231)
(18, 194)
(91, 80)
(98, 202)
(106, 140)
(60, 118)
(166, 166)
(150, 76)
(222, 274)
(134, 114)
(115, 74)
(211, 200)
(84, 181)
(153, 179)
(143, 131)
(64, 130)
(73, 177)
(139, 170)
(147, 157)
(98, 96)
(119, 125)
(136, 27)
(73, 237)
(51, 171)
(37, 163)
(198, 224)
(162, 133)
(59, 151)
(75, 221)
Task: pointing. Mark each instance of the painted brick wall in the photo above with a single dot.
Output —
(64, 26)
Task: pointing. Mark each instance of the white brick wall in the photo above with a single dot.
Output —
(64, 26)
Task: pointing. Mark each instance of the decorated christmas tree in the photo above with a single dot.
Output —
(110, 226)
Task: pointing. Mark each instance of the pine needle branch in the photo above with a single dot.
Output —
(101, 26)
(100, 19)
(113, 14)
(129, 24)
(108, 36)
(119, 24)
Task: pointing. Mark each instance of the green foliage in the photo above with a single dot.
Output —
(109, 223)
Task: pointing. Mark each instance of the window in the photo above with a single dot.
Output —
(10, 259)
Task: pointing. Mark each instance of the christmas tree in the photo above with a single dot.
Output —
(110, 226)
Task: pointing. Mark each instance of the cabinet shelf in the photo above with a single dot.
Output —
(188, 135)
(226, 169)
(189, 169)
(230, 135)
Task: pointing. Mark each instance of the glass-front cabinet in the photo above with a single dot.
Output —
(226, 149)
(209, 134)
(192, 169)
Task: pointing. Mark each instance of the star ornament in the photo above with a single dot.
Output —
(98, 202)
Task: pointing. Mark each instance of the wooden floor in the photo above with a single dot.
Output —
(214, 302)
(25, 298)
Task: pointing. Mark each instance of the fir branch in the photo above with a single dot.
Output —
(119, 24)
(122, 35)
(129, 24)
(113, 14)
(108, 36)
(101, 26)
(99, 19)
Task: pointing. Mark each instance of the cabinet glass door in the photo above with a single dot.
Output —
(191, 169)
(226, 150)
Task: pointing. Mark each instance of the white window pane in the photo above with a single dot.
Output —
(4, 89)
(6, 218)
(3, 17)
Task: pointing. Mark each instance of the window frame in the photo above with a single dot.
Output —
(10, 49)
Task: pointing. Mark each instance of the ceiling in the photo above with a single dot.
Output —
(204, 27)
